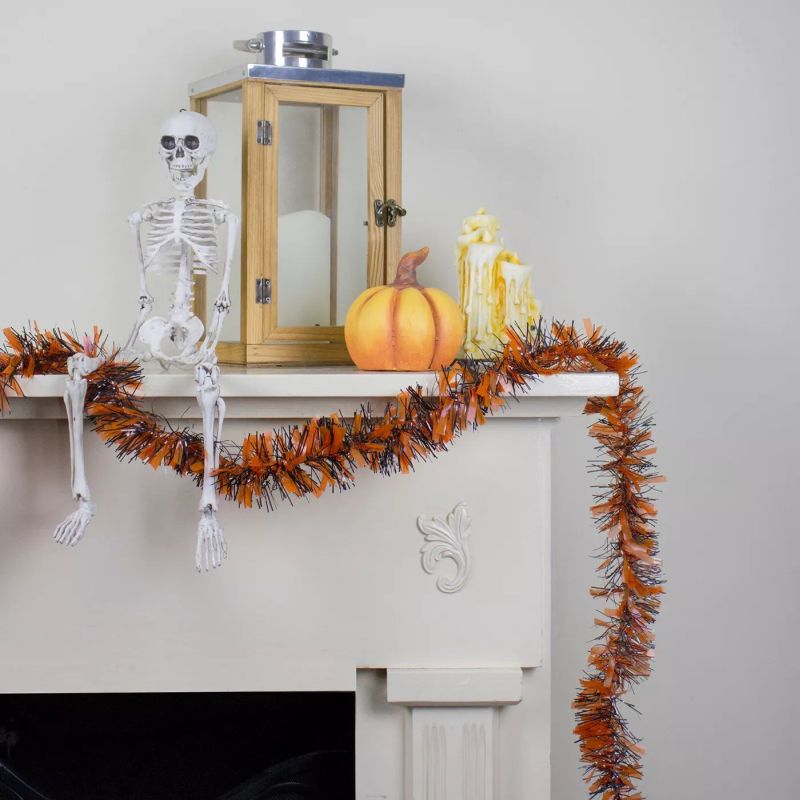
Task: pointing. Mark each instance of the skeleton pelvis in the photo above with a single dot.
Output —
(171, 338)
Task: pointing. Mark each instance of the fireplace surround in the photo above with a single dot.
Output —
(449, 658)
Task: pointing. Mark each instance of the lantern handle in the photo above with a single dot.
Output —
(254, 45)
(296, 49)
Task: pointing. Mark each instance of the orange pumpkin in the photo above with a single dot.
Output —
(404, 326)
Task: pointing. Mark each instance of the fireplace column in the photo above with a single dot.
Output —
(451, 728)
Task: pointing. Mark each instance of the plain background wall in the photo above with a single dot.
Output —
(645, 156)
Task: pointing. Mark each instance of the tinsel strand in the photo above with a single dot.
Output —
(325, 453)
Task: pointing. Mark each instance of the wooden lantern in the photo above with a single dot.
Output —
(315, 156)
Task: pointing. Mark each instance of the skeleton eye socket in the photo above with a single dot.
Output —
(168, 142)
(191, 142)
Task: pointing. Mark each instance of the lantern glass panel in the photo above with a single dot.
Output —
(323, 207)
(224, 182)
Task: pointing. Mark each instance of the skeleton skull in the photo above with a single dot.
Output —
(188, 140)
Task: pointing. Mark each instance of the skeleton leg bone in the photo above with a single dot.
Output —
(71, 530)
(211, 546)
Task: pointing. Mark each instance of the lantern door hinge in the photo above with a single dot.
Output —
(263, 291)
(263, 132)
(387, 212)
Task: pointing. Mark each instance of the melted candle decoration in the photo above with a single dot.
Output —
(495, 289)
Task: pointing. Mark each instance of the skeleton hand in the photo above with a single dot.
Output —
(223, 302)
(71, 530)
(212, 549)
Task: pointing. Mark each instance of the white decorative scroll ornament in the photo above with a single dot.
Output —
(447, 539)
(495, 289)
(177, 237)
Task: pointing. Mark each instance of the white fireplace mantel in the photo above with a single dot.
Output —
(286, 393)
(452, 687)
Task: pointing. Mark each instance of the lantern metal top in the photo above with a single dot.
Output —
(291, 48)
(299, 75)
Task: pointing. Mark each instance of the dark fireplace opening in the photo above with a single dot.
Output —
(178, 746)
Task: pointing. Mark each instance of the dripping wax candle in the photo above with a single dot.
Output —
(495, 289)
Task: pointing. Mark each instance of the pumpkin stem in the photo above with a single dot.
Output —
(407, 269)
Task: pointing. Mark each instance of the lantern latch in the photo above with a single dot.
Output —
(263, 291)
(386, 213)
(263, 132)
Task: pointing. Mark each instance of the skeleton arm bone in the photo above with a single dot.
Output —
(145, 298)
(223, 303)
(135, 221)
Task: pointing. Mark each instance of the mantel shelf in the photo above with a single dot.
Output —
(287, 393)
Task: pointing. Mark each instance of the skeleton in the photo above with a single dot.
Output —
(177, 236)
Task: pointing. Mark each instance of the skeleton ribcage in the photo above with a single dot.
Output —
(174, 223)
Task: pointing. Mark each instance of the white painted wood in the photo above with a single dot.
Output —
(451, 753)
(286, 394)
(313, 595)
(384, 752)
(459, 687)
(327, 382)
(283, 410)
(316, 590)
(380, 740)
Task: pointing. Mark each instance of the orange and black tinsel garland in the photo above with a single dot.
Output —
(302, 460)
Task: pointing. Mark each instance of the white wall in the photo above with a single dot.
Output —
(644, 155)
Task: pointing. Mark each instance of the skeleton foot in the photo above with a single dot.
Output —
(71, 530)
(212, 549)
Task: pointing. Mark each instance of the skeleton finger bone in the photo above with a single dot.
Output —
(223, 302)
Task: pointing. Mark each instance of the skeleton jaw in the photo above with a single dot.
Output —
(186, 173)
